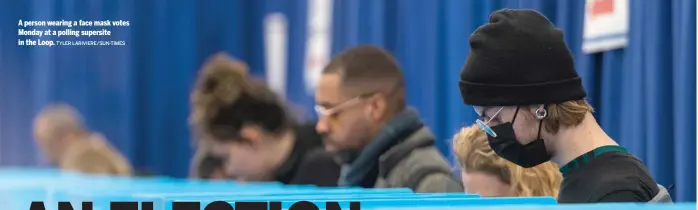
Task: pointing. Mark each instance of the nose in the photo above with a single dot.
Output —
(321, 126)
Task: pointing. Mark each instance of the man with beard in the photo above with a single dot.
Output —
(380, 141)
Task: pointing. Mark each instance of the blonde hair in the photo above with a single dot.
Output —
(474, 154)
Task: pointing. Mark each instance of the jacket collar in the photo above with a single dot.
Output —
(392, 134)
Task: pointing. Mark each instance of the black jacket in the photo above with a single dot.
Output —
(309, 163)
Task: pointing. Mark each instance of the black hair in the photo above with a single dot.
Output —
(366, 68)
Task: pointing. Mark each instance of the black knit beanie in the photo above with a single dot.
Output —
(519, 58)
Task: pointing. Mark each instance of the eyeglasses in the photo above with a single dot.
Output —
(334, 110)
(330, 112)
(483, 124)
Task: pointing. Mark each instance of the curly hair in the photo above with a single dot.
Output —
(474, 154)
(225, 98)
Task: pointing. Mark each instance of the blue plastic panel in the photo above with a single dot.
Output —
(18, 187)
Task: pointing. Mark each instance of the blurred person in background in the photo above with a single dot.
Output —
(485, 173)
(380, 141)
(246, 124)
(63, 138)
(520, 78)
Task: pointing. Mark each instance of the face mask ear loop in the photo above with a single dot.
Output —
(540, 123)
(515, 113)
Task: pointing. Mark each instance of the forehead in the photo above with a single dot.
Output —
(328, 89)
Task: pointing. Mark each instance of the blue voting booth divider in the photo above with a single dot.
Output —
(20, 187)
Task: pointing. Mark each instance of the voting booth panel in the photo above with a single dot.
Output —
(613, 206)
(321, 198)
(20, 187)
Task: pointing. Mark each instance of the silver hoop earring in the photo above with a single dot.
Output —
(541, 113)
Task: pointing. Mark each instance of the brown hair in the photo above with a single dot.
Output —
(474, 154)
(225, 98)
(566, 114)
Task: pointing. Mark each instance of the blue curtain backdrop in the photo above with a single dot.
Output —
(137, 95)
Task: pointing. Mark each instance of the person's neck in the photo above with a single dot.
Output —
(572, 142)
(381, 123)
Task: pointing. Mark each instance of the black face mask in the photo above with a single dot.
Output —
(507, 147)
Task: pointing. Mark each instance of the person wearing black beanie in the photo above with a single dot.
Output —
(521, 80)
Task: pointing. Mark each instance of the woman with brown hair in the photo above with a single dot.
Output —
(485, 173)
(243, 122)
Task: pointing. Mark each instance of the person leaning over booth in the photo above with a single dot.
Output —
(68, 144)
(485, 173)
(243, 122)
(521, 80)
(380, 141)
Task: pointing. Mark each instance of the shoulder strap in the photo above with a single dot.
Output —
(415, 178)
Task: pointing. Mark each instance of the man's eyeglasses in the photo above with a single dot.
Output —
(330, 112)
(334, 110)
(483, 124)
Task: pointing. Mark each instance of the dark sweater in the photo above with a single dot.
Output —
(308, 163)
(607, 174)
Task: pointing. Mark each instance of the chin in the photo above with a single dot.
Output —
(330, 147)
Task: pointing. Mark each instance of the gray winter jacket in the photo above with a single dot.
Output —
(416, 164)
